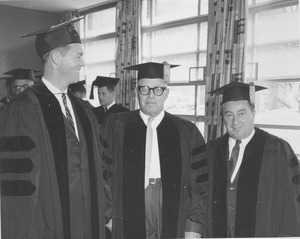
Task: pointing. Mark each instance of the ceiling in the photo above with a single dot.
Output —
(55, 6)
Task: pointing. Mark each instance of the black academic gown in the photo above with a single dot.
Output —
(268, 192)
(34, 167)
(101, 114)
(183, 174)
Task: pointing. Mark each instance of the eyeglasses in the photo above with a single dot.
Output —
(145, 90)
(19, 88)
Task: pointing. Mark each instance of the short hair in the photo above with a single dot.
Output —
(109, 87)
(63, 50)
(251, 106)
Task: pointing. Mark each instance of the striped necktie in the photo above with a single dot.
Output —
(234, 156)
(68, 113)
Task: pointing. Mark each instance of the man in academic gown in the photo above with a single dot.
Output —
(159, 182)
(106, 96)
(253, 176)
(51, 172)
(17, 80)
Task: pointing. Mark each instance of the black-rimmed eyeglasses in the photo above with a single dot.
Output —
(145, 90)
(19, 88)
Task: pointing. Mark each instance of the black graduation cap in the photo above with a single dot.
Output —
(55, 36)
(76, 85)
(21, 73)
(235, 91)
(153, 70)
(102, 81)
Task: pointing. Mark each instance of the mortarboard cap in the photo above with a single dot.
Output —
(20, 73)
(153, 70)
(102, 81)
(76, 85)
(235, 91)
(55, 36)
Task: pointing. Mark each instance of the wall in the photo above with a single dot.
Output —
(17, 52)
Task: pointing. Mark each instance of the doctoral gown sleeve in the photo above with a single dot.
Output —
(20, 154)
(197, 173)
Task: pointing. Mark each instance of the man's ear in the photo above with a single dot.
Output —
(55, 56)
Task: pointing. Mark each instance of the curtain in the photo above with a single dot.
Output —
(225, 56)
(127, 50)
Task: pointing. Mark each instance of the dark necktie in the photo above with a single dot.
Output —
(234, 156)
(68, 113)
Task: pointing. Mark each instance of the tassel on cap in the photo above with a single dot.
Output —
(252, 93)
(166, 72)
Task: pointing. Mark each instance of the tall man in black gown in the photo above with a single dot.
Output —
(157, 170)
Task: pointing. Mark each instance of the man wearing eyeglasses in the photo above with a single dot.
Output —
(21, 79)
(156, 165)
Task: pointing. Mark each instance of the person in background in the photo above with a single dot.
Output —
(106, 96)
(78, 89)
(51, 172)
(21, 79)
(157, 170)
(253, 175)
(8, 84)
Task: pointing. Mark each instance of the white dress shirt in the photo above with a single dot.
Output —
(243, 145)
(58, 94)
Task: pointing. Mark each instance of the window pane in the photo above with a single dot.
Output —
(203, 36)
(275, 25)
(201, 100)
(280, 61)
(200, 126)
(162, 12)
(280, 104)
(273, 41)
(252, 2)
(204, 7)
(181, 73)
(181, 100)
(103, 50)
(291, 136)
(170, 41)
(101, 22)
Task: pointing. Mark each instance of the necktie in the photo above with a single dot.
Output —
(149, 138)
(234, 155)
(105, 108)
(68, 113)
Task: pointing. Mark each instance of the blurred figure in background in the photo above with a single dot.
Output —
(21, 79)
(78, 89)
(8, 84)
(106, 96)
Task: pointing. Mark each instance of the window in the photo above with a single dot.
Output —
(176, 31)
(98, 31)
(273, 60)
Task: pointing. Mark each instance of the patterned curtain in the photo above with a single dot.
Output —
(128, 50)
(225, 57)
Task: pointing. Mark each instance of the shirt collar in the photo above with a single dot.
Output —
(112, 103)
(244, 141)
(157, 119)
(54, 90)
